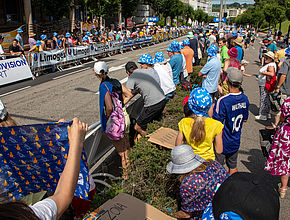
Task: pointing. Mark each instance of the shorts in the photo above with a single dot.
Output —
(150, 113)
(230, 159)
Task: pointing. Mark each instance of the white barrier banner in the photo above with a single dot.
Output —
(15, 69)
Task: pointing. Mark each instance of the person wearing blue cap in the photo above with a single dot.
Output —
(54, 41)
(43, 42)
(210, 72)
(176, 61)
(146, 62)
(67, 41)
(271, 46)
(188, 54)
(164, 71)
(199, 130)
(36, 47)
(19, 39)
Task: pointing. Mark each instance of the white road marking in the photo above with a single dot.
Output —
(17, 90)
(121, 81)
(115, 68)
(58, 77)
(123, 58)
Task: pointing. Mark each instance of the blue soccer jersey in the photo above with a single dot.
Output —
(232, 110)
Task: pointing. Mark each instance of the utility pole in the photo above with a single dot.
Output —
(221, 13)
(119, 14)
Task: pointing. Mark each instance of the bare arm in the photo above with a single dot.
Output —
(218, 140)
(68, 180)
(179, 139)
(108, 104)
(270, 71)
(127, 94)
(281, 81)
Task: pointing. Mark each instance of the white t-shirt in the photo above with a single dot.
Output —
(184, 70)
(45, 209)
(262, 77)
(166, 81)
(1, 50)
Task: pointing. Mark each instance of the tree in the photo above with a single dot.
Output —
(129, 8)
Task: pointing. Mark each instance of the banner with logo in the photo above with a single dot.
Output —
(32, 158)
(8, 38)
(15, 69)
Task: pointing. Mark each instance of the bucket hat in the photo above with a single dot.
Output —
(190, 35)
(88, 33)
(239, 41)
(183, 160)
(19, 30)
(200, 101)
(159, 57)
(54, 34)
(31, 34)
(67, 35)
(38, 43)
(212, 50)
(146, 58)
(244, 196)
(43, 37)
(186, 42)
(234, 33)
(287, 51)
(233, 52)
(270, 54)
(175, 46)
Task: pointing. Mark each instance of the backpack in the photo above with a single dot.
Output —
(115, 127)
(186, 86)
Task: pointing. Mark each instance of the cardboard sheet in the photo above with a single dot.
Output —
(126, 207)
(164, 137)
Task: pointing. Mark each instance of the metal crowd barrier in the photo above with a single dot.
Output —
(103, 49)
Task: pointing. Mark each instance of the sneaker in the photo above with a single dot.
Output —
(269, 116)
(261, 117)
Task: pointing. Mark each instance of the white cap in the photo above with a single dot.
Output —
(99, 66)
(3, 111)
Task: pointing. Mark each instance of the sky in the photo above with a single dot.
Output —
(233, 1)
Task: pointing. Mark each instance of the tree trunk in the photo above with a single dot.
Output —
(280, 23)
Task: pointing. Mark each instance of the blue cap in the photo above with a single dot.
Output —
(38, 43)
(159, 57)
(208, 214)
(54, 34)
(19, 30)
(67, 35)
(212, 50)
(186, 42)
(88, 33)
(235, 33)
(200, 102)
(146, 58)
(43, 37)
(85, 38)
(287, 51)
(96, 33)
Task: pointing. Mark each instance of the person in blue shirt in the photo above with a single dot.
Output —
(232, 110)
(176, 60)
(210, 72)
(19, 38)
(271, 46)
(238, 43)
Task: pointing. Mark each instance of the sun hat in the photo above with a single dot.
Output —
(146, 58)
(234, 33)
(287, 51)
(175, 46)
(186, 42)
(43, 37)
(31, 34)
(67, 35)
(101, 68)
(159, 57)
(244, 196)
(170, 49)
(239, 41)
(96, 33)
(200, 101)
(183, 160)
(88, 33)
(212, 50)
(3, 111)
(233, 52)
(38, 43)
(54, 34)
(234, 75)
(85, 38)
(270, 54)
(190, 35)
(270, 38)
(19, 30)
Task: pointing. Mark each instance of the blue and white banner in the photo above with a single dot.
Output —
(15, 69)
(32, 158)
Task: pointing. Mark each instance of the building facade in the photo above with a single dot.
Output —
(204, 5)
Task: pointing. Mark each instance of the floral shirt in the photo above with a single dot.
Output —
(197, 190)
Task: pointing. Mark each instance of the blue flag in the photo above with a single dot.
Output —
(32, 158)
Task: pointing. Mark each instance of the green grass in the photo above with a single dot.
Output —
(148, 178)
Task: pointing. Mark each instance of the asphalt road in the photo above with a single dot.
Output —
(67, 94)
(250, 155)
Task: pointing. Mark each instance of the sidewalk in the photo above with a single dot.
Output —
(250, 154)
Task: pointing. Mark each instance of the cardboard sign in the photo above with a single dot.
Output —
(164, 137)
(8, 38)
(125, 207)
